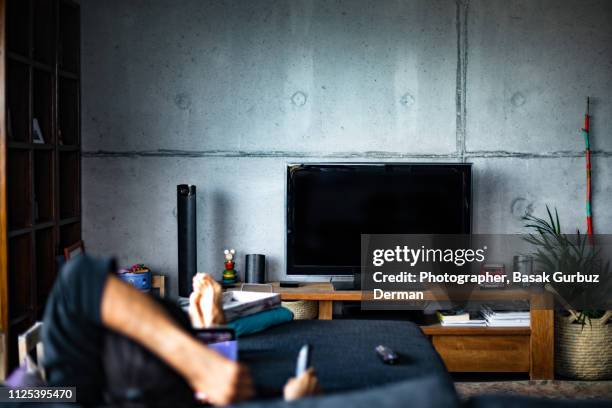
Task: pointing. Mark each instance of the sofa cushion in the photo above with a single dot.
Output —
(343, 354)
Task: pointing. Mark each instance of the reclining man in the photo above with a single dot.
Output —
(118, 345)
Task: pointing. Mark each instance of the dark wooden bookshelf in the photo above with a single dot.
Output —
(43, 180)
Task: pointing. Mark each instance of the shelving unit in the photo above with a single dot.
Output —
(43, 182)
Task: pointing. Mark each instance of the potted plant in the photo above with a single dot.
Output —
(583, 337)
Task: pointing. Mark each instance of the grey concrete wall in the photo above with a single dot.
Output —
(222, 94)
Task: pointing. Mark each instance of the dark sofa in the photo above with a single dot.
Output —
(343, 354)
(351, 375)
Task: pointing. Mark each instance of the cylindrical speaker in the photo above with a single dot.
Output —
(187, 250)
(255, 268)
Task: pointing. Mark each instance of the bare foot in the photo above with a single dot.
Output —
(206, 302)
(302, 386)
(197, 320)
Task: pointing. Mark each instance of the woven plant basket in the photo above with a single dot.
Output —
(302, 309)
(584, 353)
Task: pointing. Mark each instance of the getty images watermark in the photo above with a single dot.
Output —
(411, 271)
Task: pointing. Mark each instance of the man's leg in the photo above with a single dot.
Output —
(206, 310)
(87, 298)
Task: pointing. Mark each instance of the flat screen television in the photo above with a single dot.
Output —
(329, 206)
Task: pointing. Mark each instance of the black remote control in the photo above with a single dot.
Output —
(387, 355)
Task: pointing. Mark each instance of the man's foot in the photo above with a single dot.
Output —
(197, 320)
(206, 302)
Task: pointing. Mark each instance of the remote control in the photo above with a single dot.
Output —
(387, 355)
(303, 360)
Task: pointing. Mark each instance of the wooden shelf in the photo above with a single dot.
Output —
(19, 319)
(437, 329)
(70, 220)
(69, 148)
(11, 56)
(30, 146)
(43, 180)
(68, 75)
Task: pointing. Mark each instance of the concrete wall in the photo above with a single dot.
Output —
(222, 94)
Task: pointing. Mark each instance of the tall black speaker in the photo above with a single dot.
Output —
(187, 250)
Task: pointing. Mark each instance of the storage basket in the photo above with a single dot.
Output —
(302, 309)
(584, 353)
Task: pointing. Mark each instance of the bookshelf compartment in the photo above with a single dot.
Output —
(20, 275)
(69, 234)
(42, 97)
(18, 26)
(45, 264)
(69, 183)
(68, 112)
(43, 186)
(18, 101)
(69, 37)
(43, 31)
(19, 189)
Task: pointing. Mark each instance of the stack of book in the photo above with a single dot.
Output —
(460, 318)
(242, 303)
(505, 319)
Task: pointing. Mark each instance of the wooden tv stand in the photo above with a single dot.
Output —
(468, 349)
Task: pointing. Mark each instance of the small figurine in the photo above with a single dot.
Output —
(229, 274)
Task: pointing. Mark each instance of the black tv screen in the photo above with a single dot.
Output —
(330, 205)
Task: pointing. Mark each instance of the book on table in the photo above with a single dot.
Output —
(241, 303)
(459, 318)
(496, 318)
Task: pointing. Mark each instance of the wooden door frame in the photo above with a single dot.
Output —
(3, 217)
